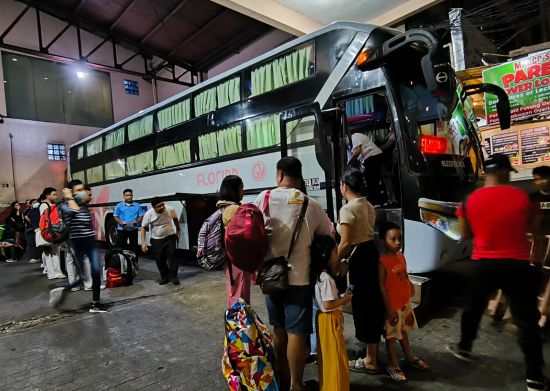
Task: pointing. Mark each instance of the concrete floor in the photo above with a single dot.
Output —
(171, 338)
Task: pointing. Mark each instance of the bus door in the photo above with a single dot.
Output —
(303, 136)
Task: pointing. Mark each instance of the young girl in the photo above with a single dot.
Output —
(332, 358)
(397, 290)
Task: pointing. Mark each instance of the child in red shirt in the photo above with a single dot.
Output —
(397, 290)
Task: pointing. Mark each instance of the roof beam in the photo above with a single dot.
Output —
(120, 15)
(402, 12)
(274, 14)
(163, 21)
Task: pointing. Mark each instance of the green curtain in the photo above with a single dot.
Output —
(114, 138)
(282, 71)
(93, 147)
(229, 140)
(175, 114)
(80, 153)
(114, 170)
(140, 163)
(94, 174)
(300, 129)
(173, 155)
(263, 132)
(205, 102)
(208, 148)
(229, 92)
(141, 127)
(362, 105)
(78, 175)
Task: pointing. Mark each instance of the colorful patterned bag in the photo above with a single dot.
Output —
(248, 361)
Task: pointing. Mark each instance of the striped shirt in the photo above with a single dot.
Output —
(79, 221)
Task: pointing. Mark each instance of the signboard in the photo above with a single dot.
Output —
(527, 83)
(506, 143)
(312, 184)
(534, 144)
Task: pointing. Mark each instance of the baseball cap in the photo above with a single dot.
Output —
(498, 161)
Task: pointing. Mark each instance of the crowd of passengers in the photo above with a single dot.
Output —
(308, 315)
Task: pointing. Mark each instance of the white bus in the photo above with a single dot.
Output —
(304, 99)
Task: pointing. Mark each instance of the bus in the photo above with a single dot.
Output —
(305, 99)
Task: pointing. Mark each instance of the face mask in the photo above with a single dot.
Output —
(80, 196)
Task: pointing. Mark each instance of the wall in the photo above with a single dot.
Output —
(33, 171)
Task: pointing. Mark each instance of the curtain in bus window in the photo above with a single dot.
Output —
(141, 127)
(208, 148)
(282, 71)
(229, 140)
(94, 174)
(78, 175)
(263, 132)
(140, 163)
(173, 155)
(175, 114)
(93, 147)
(362, 105)
(114, 170)
(114, 138)
(205, 102)
(229, 92)
(80, 153)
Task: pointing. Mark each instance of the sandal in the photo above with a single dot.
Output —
(417, 363)
(396, 374)
(359, 366)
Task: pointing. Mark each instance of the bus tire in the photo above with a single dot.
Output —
(111, 233)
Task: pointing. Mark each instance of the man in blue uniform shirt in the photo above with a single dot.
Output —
(128, 215)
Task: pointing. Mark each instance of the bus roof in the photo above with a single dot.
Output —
(295, 42)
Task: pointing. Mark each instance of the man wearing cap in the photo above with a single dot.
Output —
(162, 219)
(498, 217)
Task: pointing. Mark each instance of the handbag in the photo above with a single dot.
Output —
(274, 272)
(40, 241)
(343, 266)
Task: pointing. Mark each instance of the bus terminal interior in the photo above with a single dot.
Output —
(375, 152)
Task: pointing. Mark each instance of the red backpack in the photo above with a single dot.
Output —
(51, 225)
(246, 239)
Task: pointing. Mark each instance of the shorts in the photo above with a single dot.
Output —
(291, 310)
(406, 321)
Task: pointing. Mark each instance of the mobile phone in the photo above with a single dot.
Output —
(350, 288)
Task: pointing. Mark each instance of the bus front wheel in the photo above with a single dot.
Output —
(112, 233)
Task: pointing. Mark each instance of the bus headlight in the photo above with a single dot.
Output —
(448, 225)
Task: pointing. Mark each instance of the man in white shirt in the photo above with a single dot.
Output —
(366, 156)
(161, 220)
(290, 313)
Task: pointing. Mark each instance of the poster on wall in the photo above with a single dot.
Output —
(535, 145)
(527, 83)
(507, 144)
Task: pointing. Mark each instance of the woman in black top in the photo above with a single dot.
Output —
(15, 228)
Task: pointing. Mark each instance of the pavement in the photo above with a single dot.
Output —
(171, 338)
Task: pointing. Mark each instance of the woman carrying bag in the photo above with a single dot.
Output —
(356, 229)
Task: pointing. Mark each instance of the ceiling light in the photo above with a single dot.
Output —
(81, 75)
(14, 59)
(45, 78)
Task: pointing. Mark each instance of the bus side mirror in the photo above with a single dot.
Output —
(503, 104)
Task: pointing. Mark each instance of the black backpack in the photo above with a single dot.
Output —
(124, 261)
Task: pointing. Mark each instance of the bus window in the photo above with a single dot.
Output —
(300, 129)
(174, 154)
(114, 138)
(140, 128)
(140, 163)
(78, 175)
(80, 152)
(263, 132)
(208, 146)
(115, 169)
(94, 175)
(175, 114)
(229, 140)
(94, 147)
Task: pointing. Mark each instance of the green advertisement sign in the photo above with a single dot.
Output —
(527, 83)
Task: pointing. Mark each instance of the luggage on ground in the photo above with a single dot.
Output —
(246, 239)
(211, 249)
(121, 266)
(248, 361)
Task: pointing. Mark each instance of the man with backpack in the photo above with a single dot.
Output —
(498, 217)
(290, 311)
(161, 220)
(51, 251)
(76, 216)
(128, 216)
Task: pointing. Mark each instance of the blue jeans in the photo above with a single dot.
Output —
(313, 336)
(82, 248)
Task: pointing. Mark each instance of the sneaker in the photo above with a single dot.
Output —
(175, 281)
(11, 260)
(162, 281)
(76, 289)
(461, 354)
(536, 385)
(101, 287)
(57, 295)
(98, 307)
(34, 260)
(87, 288)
